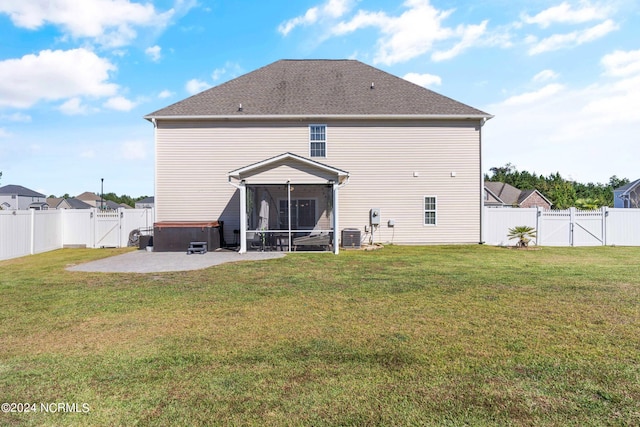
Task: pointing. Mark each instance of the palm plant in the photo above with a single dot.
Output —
(523, 233)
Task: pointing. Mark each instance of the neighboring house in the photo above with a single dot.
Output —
(89, 198)
(17, 197)
(500, 194)
(627, 196)
(146, 203)
(67, 203)
(96, 201)
(318, 146)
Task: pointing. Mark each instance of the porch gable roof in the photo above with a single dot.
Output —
(274, 161)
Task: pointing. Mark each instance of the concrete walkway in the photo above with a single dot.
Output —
(157, 262)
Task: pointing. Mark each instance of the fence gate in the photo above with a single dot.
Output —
(571, 227)
(588, 228)
(107, 230)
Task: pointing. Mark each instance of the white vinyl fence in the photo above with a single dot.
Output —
(27, 232)
(571, 227)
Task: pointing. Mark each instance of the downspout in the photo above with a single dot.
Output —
(482, 122)
(289, 213)
(243, 214)
(155, 169)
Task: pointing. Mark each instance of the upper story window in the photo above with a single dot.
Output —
(318, 140)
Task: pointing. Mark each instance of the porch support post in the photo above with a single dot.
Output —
(336, 222)
(243, 217)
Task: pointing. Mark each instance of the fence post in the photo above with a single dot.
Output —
(605, 214)
(538, 222)
(572, 219)
(33, 232)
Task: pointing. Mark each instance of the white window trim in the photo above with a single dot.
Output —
(425, 210)
(326, 139)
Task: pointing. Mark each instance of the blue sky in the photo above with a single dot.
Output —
(76, 77)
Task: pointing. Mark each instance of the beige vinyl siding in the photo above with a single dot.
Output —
(193, 159)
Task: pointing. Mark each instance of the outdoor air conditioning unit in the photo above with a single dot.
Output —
(351, 238)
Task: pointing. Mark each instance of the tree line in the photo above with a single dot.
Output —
(562, 192)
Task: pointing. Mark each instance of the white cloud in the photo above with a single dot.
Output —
(88, 154)
(566, 128)
(575, 38)
(565, 13)
(108, 22)
(337, 8)
(74, 107)
(425, 80)
(309, 17)
(4, 133)
(411, 34)
(419, 29)
(194, 86)
(54, 75)
(545, 75)
(536, 96)
(154, 52)
(233, 69)
(621, 63)
(330, 9)
(133, 150)
(119, 103)
(16, 117)
(165, 94)
(469, 37)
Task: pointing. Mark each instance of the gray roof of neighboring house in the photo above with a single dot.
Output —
(628, 186)
(20, 191)
(53, 202)
(87, 195)
(509, 194)
(146, 200)
(111, 204)
(76, 203)
(317, 88)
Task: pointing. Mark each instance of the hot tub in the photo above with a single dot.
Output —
(175, 236)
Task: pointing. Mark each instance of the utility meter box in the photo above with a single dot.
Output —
(374, 216)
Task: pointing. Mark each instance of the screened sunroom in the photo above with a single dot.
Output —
(288, 203)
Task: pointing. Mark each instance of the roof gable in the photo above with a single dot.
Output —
(509, 194)
(87, 195)
(628, 187)
(317, 88)
(20, 191)
(289, 162)
(76, 203)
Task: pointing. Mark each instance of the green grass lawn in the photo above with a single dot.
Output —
(443, 336)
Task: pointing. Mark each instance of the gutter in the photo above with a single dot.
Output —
(481, 117)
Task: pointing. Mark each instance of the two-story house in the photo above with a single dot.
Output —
(15, 197)
(302, 149)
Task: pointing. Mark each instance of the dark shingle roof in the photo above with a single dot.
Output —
(628, 186)
(505, 192)
(317, 87)
(77, 203)
(20, 191)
